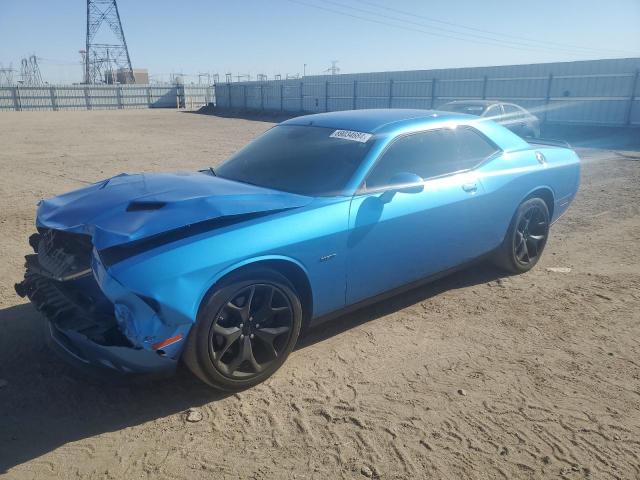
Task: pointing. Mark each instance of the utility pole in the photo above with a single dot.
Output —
(101, 58)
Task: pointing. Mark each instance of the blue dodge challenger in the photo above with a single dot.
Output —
(223, 269)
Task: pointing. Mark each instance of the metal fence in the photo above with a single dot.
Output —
(601, 92)
(104, 97)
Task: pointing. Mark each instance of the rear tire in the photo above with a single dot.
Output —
(526, 237)
(246, 328)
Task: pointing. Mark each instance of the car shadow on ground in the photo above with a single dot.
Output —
(46, 404)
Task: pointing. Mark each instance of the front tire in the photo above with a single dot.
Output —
(526, 238)
(246, 328)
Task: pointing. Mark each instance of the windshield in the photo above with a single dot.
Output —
(299, 159)
(468, 108)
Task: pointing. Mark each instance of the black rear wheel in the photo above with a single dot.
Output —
(526, 238)
(245, 330)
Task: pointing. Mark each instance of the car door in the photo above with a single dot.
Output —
(397, 237)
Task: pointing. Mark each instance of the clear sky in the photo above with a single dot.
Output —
(280, 36)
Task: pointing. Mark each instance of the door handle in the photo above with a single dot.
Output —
(470, 187)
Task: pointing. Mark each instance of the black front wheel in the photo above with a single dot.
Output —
(526, 238)
(245, 330)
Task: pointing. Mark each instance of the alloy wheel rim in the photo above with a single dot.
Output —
(530, 236)
(251, 331)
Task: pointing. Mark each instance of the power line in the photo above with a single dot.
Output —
(506, 35)
(474, 36)
(494, 42)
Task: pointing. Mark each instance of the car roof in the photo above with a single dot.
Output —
(376, 120)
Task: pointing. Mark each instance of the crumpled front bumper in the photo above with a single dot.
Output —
(82, 325)
(78, 350)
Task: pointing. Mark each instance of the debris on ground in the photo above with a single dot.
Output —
(558, 269)
(366, 471)
(194, 415)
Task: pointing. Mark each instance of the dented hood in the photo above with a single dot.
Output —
(131, 207)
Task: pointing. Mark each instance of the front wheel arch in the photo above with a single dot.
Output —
(289, 268)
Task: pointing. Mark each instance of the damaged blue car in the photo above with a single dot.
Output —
(323, 213)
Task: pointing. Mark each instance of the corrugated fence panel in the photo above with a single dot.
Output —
(411, 89)
(372, 94)
(236, 97)
(70, 98)
(635, 113)
(133, 96)
(34, 98)
(163, 96)
(590, 92)
(101, 97)
(313, 96)
(292, 97)
(7, 98)
(534, 87)
(593, 91)
(271, 96)
(457, 89)
(196, 96)
(604, 112)
(592, 86)
(254, 97)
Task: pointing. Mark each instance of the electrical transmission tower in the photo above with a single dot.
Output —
(30, 72)
(334, 68)
(6, 76)
(102, 58)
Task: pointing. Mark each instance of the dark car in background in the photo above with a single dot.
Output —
(512, 116)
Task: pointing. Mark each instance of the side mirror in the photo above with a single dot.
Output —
(406, 182)
(403, 182)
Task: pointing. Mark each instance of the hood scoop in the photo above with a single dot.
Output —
(141, 206)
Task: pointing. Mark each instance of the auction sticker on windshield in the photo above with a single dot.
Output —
(351, 135)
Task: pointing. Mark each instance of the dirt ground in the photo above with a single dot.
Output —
(475, 376)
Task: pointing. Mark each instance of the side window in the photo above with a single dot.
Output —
(512, 112)
(493, 111)
(473, 148)
(431, 154)
(426, 154)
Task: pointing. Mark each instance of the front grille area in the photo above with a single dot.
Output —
(58, 282)
(62, 255)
